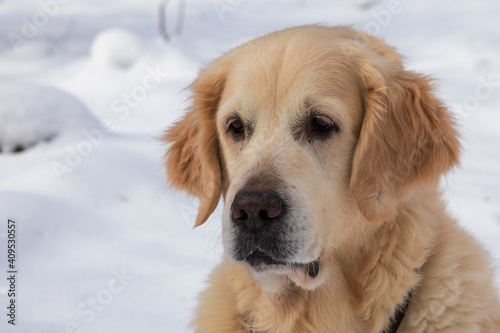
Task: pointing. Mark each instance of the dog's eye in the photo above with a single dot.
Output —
(320, 125)
(236, 128)
(323, 126)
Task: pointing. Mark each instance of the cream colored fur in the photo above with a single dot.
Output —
(370, 194)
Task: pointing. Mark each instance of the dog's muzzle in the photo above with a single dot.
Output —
(262, 236)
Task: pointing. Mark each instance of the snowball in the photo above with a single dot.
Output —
(116, 48)
(31, 113)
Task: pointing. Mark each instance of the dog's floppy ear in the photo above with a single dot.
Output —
(407, 139)
(192, 160)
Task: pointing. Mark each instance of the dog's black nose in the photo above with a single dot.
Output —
(253, 210)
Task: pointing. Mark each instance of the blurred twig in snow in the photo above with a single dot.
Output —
(162, 19)
(367, 4)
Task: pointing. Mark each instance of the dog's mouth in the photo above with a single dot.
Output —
(261, 261)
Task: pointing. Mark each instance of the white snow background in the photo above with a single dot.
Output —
(87, 87)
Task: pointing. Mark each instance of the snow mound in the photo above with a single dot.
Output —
(115, 48)
(31, 114)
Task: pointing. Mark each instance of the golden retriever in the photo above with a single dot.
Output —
(328, 154)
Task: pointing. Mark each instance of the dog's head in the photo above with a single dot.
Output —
(313, 135)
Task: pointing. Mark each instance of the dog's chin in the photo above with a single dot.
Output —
(273, 274)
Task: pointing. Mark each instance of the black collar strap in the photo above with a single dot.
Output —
(399, 314)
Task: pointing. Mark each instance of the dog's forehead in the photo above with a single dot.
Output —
(279, 73)
(282, 75)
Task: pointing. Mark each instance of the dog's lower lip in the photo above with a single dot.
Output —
(260, 259)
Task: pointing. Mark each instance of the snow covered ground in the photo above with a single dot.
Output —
(86, 87)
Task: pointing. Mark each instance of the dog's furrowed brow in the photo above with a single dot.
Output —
(308, 103)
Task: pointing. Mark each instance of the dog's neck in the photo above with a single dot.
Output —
(371, 282)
